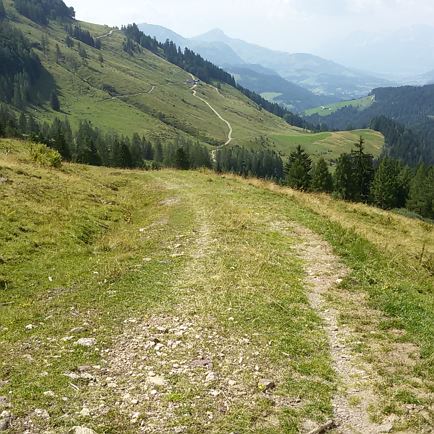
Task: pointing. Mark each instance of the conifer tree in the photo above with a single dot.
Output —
(59, 55)
(297, 169)
(344, 180)
(421, 195)
(59, 137)
(137, 150)
(387, 185)
(86, 151)
(181, 159)
(322, 180)
(363, 172)
(22, 123)
(158, 152)
(405, 177)
(54, 101)
(45, 45)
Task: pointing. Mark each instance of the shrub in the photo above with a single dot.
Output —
(45, 156)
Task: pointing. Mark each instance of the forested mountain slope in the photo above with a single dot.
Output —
(410, 120)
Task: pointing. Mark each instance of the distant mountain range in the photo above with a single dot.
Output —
(294, 74)
(403, 53)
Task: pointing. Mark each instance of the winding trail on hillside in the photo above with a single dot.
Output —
(106, 35)
(230, 138)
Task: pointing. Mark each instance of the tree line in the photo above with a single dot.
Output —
(84, 36)
(41, 11)
(386, 183)
(358, 177)
(89, 145)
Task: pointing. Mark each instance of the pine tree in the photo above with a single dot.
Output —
(59, 138)
(86, 151)
(59, 56)
(387, 185)
(421, 195)
(181, 159)
(18, 100)
(158, 152)
(363, 171)
(45, 45)
(322, 180)
(2, 11)
(298, 169)
(54, 101)
(22, 124)
(405, 177)
(137, 150)
(344, 180)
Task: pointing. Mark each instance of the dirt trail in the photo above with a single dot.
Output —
(355, 393)
(230, 138)
(183, 343)
(128, 95)
(106, 35)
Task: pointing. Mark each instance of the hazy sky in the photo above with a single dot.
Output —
(290, 25)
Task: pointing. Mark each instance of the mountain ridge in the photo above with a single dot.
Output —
(319, 76)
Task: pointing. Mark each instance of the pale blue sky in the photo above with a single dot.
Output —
(290, 25)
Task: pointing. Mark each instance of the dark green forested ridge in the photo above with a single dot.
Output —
(41, 11)
(19, 67)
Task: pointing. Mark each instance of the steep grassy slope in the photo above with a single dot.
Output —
(153, 96)
(196, 289)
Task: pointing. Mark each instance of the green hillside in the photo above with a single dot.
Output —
(329, 145)
(181, 301)
(143, 93)
(326, 110)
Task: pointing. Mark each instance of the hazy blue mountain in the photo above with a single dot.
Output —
(215, 51)
(161, 34)
(405, 52)
(319, 76)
